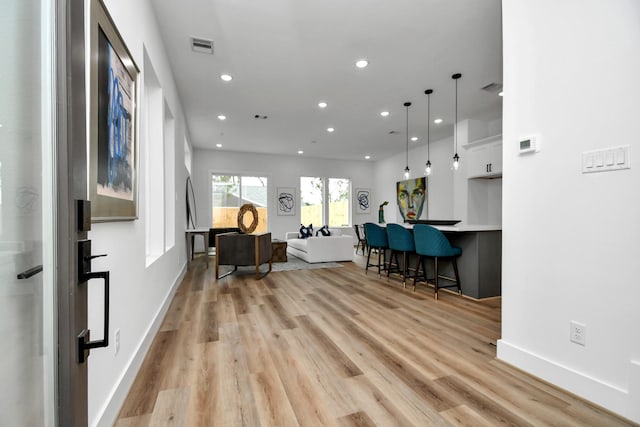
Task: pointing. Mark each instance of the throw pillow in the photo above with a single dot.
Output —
(324, 230)
(306, 231)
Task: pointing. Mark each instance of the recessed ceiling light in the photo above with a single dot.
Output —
(367, 157)
(300, 152)
(322, 104)
(384, 113)
(330, 129)
(500, 93)
(222, 117)
(362, 63)
(414, 138)
(226, 77)
(437, 121)
(219, 145)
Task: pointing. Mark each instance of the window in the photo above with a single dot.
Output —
(311, 197)
(314, 199)
(229, 192)
(338, 202)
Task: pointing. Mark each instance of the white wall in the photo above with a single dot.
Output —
(281, 171)
(139, 294)
(570, 239)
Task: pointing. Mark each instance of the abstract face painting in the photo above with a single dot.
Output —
(411, 195)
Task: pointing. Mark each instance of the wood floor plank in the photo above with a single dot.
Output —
(145, 388)
(237, 406)
(341, 363)
(204, 380)
(139, 421)
(463, 416)
(171, 408)
(357, 419)
(325, 347)
(373, 401)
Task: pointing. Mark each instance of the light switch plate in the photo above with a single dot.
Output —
(606, 159)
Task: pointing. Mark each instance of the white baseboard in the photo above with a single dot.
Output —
(608, 396)
(110, 411)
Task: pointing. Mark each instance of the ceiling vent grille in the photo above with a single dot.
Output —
(493, 87)
(201, 45)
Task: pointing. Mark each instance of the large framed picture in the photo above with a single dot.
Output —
(411, 196)
(286, 201)
(113, 122)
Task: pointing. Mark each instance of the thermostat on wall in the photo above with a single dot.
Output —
(529, 145)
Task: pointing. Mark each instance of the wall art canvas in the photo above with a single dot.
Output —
(411, 198)
(363, 200)
(113, 156)
(286, 202)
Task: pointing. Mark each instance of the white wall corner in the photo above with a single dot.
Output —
(592, 389)
(109, 413)
(633, 402)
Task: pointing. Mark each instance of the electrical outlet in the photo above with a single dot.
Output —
(117, 340)
(578, 333)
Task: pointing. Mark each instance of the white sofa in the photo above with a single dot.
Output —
(336, 247)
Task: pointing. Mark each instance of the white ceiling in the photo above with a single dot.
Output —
(285, 56)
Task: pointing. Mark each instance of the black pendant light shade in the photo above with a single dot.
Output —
(456, 158)
(427, 169)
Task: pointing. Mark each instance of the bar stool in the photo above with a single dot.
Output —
(431, 243)
(361, 235)
(400, 240)
(376, 239)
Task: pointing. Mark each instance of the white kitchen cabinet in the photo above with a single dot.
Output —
(484, 158)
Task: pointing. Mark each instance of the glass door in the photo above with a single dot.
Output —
(28, 320)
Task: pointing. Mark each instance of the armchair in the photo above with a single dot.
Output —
(243, 250)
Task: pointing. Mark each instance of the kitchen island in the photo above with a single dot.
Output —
(480, 265)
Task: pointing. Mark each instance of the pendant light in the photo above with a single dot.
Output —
(427, 169)
(406, 168)
(456, 158)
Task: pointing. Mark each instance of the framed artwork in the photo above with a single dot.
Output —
(113, 122)
(286, 201)
(411, 197)
(363, 200)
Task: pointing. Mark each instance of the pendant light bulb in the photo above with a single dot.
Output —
(427, 170)
(406, 173)
(456, 161)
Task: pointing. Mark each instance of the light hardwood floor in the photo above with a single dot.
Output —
(335, 347)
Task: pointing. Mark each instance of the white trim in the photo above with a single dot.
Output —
(108, 414)
(609, 396)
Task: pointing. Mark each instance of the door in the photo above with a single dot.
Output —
(41, 122)
(27, 288)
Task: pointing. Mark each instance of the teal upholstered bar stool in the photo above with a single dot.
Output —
(431, 243)
(400, 240)
(376, 239)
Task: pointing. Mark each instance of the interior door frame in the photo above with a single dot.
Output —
(71, 175)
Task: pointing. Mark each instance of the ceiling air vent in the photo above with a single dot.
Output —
(493, 87)
(202, 45)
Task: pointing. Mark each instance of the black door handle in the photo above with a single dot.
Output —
(30, 272)
(85, 274)
(84, 343)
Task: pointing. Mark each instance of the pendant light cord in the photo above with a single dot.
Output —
(455, 124)
(406, 169)
(428, 123)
